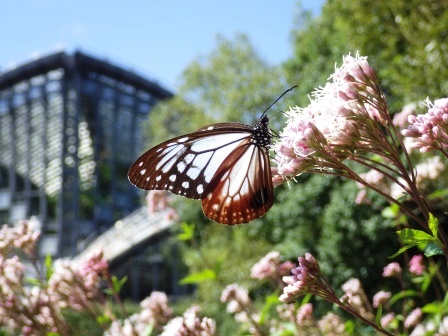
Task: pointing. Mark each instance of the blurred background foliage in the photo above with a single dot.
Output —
(406, 43)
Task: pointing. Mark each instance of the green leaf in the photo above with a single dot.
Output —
(390, 211)
(148, 330)
(33, 281)
(432, 308)
(187, 232)
(103, 319)
(270, 300)
(379, 312)
(48, 267)
(349, 327)
(433, 224)
(117, 284)
(401, 295)
(432, 249)
(410, 238)
(205, 275)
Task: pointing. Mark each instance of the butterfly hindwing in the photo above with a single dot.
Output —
(241, 189)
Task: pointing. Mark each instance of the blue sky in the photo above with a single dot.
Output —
(156, 38)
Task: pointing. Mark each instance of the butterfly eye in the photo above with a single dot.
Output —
(226, 165)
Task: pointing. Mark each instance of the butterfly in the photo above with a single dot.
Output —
(226, 165)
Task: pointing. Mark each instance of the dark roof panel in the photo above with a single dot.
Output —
(81, 61)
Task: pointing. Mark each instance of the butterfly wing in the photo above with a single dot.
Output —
(185, 165)
(241, 189)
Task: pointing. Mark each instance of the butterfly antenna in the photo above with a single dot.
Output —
(291, 88)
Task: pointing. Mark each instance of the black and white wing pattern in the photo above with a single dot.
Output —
(226, 165)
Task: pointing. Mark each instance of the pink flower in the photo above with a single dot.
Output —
(155, 310)
(387, 319)
(416, 265)
(266, 267)
(343, 115)
(305, 313)
(392, 270)
(307, 278)
(413, 318)
(23, 235)
(430, 129)
(401, 119)
(331, 324)
(236, 297)
(352, 286)
(190, 325)
(381, 298)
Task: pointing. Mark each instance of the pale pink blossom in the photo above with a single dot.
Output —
(305, 313)
(381, 298)
(236, 297)
(352, 286)
(306, 278)
(155, 309)
(160, 201)
(331, 324)
(428, 170)
(401, 119)
(430, 129)
(190, 325)
(416, 265)
(392, 270)
(266, 267)
(413, 318)
(387, 319)
(340, 117)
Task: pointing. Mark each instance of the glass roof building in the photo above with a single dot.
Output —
(70, 127)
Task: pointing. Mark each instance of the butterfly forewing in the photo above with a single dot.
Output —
(185, 165)
(241, 189)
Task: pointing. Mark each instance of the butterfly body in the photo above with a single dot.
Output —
(226, 165)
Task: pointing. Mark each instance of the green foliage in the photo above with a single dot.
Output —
(405, 42)
(232, 83)
(430, 244)
(81, 323)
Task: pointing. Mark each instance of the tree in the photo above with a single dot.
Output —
(232, 83)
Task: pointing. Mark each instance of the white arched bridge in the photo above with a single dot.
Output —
(127, 234)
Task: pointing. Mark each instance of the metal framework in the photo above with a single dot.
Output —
(69, 130)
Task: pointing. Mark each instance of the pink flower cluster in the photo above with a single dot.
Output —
(270, 267)
(307, 278)
(343, 115)
(431, 129)
(416, 265)
(356, 297)
(78, 286)
(23, 235)
(160, 201)
(236, 297)
(190, 325)
(155, 313)
(392, 270)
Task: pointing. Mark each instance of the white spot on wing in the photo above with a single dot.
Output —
(141, 163)
(158, 178)
(186, 184)
(142, 172)
(182, 139)
(181, 166)
(200, 189)
(172, 178)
